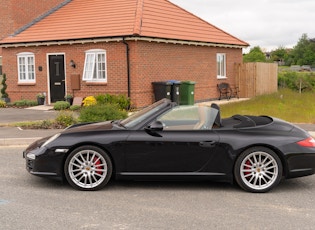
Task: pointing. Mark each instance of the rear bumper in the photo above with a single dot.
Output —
(301, 164)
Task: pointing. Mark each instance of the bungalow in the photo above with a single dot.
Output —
(118, 47)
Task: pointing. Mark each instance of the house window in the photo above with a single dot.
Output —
(26, 67)
(95, 66)
(221, 65)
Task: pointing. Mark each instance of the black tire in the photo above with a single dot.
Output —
(258, 169)
(88, 168)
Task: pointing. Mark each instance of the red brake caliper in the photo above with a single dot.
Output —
(97, 165)
(247, 167)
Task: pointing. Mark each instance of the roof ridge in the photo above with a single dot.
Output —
(41, 17)
(138, 17)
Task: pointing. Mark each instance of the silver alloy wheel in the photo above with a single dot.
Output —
(87, 169)
(259, 170)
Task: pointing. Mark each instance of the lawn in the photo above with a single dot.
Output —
(285, 104)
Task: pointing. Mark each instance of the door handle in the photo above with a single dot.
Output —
(207, 144)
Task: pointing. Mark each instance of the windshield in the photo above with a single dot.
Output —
(189, 118)
(143, 114)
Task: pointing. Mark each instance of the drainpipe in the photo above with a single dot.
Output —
(128, 65)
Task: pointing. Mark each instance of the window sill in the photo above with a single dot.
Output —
(221, 77)
(95, 83)
(26, 83)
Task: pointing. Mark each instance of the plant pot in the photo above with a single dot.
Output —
(70, 100)
(40, 100)
(5, 99)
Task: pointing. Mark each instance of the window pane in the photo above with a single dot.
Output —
(221, 65)
(101, 66)
(89, 66)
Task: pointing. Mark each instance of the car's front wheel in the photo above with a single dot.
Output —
(88, 168)
(258, 169)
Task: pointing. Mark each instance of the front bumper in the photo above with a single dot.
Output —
(45, 163)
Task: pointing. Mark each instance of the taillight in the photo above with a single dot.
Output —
(308, 142)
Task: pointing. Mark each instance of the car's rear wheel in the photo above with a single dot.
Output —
(88, 168)
(258, 169)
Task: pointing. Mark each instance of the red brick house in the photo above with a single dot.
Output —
(117, 47)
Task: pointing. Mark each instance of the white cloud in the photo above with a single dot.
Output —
(265, 23)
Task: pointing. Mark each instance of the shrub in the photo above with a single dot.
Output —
(61, 105)
(65, 119)
(101, 112)
(296, 80)
(2, 104)
(75, 107)
(88, 101)
(4, 86)
(121, 100)
(25, 103)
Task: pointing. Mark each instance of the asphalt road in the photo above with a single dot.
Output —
(28, 202)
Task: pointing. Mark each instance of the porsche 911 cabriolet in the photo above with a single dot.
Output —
(165, 141)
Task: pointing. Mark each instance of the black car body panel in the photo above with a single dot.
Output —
(142, 152)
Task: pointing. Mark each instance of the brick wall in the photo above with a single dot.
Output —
(162, 62)
(149, 62)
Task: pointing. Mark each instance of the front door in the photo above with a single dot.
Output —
(57, 77)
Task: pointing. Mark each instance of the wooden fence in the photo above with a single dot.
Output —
(256, 78)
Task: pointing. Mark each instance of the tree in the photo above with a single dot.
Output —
(304, 52)
(279, 55)
(255, 55)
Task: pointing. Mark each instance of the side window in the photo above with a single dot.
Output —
(221, 65)
(95, 66)
(26, 67)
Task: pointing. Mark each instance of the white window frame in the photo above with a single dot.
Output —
(221, 65)
(26, 69)
(95, 66)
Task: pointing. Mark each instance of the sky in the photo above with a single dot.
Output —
(268, 24)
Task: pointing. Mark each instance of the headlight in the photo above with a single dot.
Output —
(31, 156)
(54, 137)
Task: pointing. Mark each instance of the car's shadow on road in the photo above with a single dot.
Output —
(39, 182)
(287, 186)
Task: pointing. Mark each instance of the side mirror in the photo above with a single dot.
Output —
(155, 126)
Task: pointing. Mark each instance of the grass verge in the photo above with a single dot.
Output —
(285, 104)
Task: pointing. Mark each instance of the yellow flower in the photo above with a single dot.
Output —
(90, 100)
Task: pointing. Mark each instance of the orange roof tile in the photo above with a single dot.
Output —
(82, 19)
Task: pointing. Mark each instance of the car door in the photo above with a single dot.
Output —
(182, 151)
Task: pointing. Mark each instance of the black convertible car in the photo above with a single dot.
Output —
(169, 142)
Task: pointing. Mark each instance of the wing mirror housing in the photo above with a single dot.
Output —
(154, 127)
